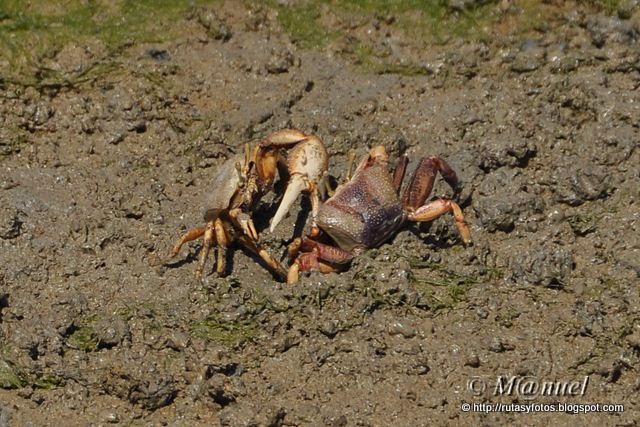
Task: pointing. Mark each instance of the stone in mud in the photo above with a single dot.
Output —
(548, 265)
(5, 416)
(280, 61)
(220, 390)
(464, 5)
(74, 58)
(578, 182)
(504, 198)
(216, 28)
(506, 149)
(240, 414)
(111, 331)
(153, 393)
(526, 62)
(605, 30)
(10, 223)
(4, 298)
(329, 328)
(626, 258)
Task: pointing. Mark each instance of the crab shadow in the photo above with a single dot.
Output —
(194, 255)
(438, 240)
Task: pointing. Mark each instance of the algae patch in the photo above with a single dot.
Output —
(9, 378)
(33, 32)
(226, 333)
(83, 339)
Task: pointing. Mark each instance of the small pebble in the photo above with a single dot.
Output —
(329, 328)
(496, 345)
(426, 328)
(472, 360)
(634, 340)
(402, 328)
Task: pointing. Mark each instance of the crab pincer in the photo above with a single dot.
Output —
(307, 164)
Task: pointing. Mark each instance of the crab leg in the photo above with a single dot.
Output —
(348, 174)
(350, 162)
(294, 249)
(190, 235)
(316, 257)
(308, 262)
(244, 222)
(423, 178)
(324, 188)
(271, 262)
(399, 171)
(209, 236)
(439, 207)
(420, 186)
(445, 170)
(223, 241)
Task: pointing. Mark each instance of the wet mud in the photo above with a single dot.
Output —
(100, 177)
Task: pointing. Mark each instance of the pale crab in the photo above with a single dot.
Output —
(367, 210)
(240, 184)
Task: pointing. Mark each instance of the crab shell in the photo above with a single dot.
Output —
(224, 188)
(364, 212)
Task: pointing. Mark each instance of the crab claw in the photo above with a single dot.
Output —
(283, 138)
(266, 153)
(295, 187)
(307, 163)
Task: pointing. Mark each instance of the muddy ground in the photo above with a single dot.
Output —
(99, 176)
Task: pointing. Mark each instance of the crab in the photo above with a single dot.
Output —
(367, 210)
(240, 184)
